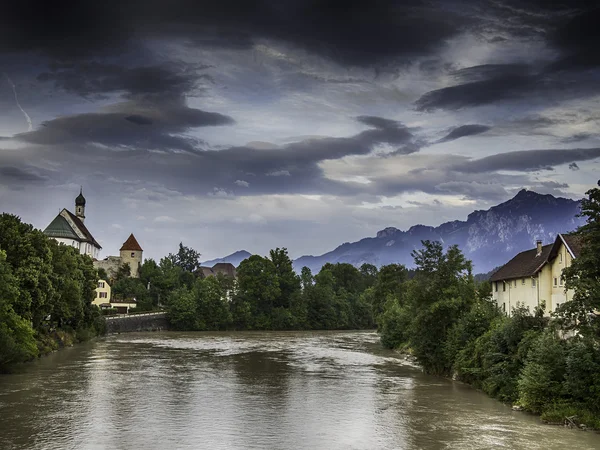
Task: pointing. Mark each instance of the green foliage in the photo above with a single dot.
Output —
(102, 275)
(541, 380)
(583, 276)
(123, 272)
(186, 258)
(46, 291)
(582, 377)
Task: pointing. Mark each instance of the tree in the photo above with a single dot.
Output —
(258, 287)
(123, 272)
(30, 259)
(187, 258)
(212, 305)
(387, 286)
(583, 276)
(289, 282)
(102, 275)
(541, 380)
(17, 342)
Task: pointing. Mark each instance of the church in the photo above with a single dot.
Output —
(69, 229)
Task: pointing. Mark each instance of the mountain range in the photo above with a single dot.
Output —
(488, 237)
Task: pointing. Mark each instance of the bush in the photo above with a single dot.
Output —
(541, 381)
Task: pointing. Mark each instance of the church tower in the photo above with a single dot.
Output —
(131, 253)
(80, 205)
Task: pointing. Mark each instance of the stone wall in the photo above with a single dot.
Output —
(110, 264)
(137, 322)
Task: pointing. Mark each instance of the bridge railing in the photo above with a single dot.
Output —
(123, 316)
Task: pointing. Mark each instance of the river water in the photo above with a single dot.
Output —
(296, 390)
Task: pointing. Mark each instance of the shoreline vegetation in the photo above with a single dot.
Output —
(438, 313)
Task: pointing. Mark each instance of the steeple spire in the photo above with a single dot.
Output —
(80, 205)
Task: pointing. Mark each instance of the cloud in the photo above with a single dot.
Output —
(361, 33)
(492, 84)
(279, 173)
(527, 160)
(573, 166)
(463, 131)
(13, 175)
(89, 78)
(242, 183)
(116, 128)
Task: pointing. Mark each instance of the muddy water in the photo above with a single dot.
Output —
(306, 390)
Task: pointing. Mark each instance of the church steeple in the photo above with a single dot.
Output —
(80, 205)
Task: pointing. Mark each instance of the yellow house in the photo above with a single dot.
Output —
(102, 294)
(104, 299)
(534, 277)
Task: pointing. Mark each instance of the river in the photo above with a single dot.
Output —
(294, 390)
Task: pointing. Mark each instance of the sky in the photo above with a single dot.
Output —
(255, 124)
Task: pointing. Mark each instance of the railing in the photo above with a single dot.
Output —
(122, 316)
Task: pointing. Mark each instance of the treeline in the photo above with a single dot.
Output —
(549, 366)
(46, 290)
(269, 295)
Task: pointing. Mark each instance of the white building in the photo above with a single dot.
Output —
(534, 277)
(68, 228)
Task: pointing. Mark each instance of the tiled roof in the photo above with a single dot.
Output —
(83, 229)
(525, 264)
(204, 271)
(60, 228)
(575, 242)
(131, 244)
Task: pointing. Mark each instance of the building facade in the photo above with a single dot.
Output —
(533, 278)
(130, 253)
(104, 299)
(69, 229)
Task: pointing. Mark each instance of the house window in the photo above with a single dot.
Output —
(560, 258)
(515, 283)
(533, 282)
(555, 282)
(523, 281)
(503, 286)
(557, 305)
(504, 307)
(496, 286)
(560, 281)
(133, 254)
(103, 294)
(100, 284)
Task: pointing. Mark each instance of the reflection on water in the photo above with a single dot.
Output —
(313, 390)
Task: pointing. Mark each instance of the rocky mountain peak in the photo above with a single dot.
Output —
(387, 232)
(488, 237)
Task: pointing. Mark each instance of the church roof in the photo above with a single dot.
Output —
(79, 224)
(131, 244)
(60, 228)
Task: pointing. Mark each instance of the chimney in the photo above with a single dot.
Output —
(538, 244)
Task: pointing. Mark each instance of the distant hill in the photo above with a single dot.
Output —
(489, 238)
(235, 259)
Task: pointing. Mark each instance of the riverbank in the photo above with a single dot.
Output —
(560, 414)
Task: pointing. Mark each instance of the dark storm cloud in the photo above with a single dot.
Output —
(18, 175)
(571, 31)
(125, 127)
(497, 83)
(527, 160)
(353, 32)
(94, 78)
(577, 138)
(463, 131)
(578, 38)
